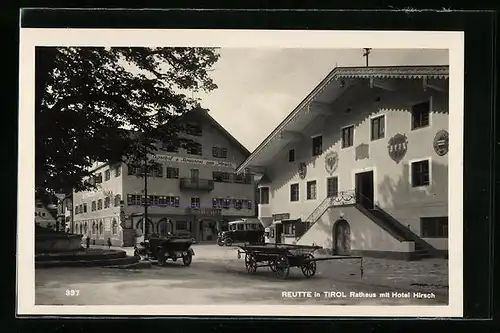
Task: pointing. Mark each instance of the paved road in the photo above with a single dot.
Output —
(217, 276)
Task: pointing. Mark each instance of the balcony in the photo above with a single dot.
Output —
(196, 184)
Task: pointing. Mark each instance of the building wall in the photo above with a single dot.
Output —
(127, 184)
(106, 216)
(43, 217)
(211, 137)
(391, 180)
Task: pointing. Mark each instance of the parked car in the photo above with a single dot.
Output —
(162, 248)
(242, 231)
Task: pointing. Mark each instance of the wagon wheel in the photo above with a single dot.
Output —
(272, 264)
(309, 268)
(282, 268)
(161, 257)
(187, 259)
(250, 263)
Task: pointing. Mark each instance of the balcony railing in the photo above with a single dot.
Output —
(196, 184)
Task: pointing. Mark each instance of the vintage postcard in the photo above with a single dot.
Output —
(240, 173)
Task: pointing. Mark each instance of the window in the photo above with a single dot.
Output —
(84, 207)
(291, 155)
(155, 170)
(107, 174)
(226, 204)
(80, 209)
(289, 228)
(99, 204)
(195, 149)
(132, 171)
(115, 227)
(294, 192)
(420, 173)
(117, 200)
(434, 227)
(107, 202)
(98, 178)
(173, 201)
(240, 227)
(100, 228)
(133, 199)
(264, 195)
(219, 152)
(172, 172)
(348, 136)
(223, 177)
(378, 128)
(237, 204)
(317, 145)
(195, 174)
(195, 202)
(194, 129)
(93, 228)
(93, 206)
(181, 225)
(169, 147)
(118, 171)
(332, 187)
(311, 190)
(249, 204)
(76, 210)
(420, 115)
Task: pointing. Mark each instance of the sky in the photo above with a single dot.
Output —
(258, 88)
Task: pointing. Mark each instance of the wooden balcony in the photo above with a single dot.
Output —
(196, 184)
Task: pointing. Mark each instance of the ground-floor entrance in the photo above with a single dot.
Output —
(365, 188)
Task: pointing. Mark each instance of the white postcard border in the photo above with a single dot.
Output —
(29, 38)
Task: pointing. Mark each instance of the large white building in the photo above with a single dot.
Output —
(193, 191)
(360, 166)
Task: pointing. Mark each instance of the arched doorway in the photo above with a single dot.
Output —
(341, 237)
(165, 226)
(151, 227)
(208, 230)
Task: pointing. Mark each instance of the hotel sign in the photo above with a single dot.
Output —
(397, 147)
(197, 161)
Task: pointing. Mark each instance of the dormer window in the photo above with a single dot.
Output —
(194, 129)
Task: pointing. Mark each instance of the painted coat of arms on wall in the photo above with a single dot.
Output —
(398, 145)
(331, 162)
(302, 170)
(441, 142)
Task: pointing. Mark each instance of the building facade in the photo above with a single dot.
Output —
(191, 191)
(45, 216)
(363, 162)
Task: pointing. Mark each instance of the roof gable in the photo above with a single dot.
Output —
(340, 73)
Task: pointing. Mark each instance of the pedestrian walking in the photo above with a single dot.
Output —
(87, 241)
(109, 243)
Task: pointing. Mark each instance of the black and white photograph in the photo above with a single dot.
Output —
(206, 172)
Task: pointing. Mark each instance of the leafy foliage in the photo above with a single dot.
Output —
(96, 104)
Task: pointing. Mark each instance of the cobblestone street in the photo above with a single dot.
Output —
(217, 276)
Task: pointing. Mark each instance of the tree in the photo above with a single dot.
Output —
(96, 104)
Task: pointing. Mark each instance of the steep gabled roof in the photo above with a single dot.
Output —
(339, 73)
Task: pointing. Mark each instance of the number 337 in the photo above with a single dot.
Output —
(72, 292)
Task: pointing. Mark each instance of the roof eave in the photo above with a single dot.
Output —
(434, 71)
